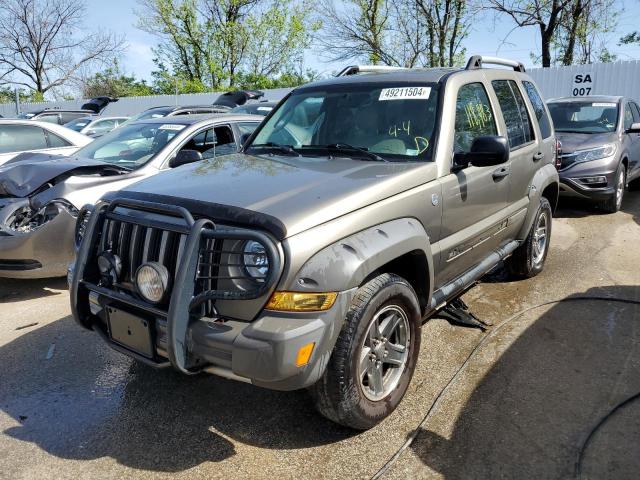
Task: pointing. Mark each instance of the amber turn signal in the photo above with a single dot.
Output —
(301, 302)
(304, 354)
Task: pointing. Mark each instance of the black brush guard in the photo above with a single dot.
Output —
(182, 301)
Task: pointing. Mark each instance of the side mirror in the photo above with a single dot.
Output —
(185, 156)
(90, 132)
(485, 151)
(635, 128)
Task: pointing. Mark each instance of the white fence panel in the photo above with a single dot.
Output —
(619, 78)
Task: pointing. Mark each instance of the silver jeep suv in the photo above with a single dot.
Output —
(360, 207)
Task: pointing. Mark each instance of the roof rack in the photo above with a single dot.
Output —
(357, 69)
(477, 61)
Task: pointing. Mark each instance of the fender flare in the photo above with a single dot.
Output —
(544, 177)
(347, 263)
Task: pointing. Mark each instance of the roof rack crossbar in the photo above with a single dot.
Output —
(356, 69)
(477, 61)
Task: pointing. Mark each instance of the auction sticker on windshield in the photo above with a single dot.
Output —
(171, 126)
(405, 93)
(603, 104)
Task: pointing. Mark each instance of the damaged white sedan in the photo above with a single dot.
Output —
(41, 196)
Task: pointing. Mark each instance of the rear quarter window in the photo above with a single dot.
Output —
(538, 108)
(514, 112)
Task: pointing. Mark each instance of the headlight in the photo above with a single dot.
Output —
(26, 219)
(255, 260)
(152, 281)
(81, 225)
(595, 153)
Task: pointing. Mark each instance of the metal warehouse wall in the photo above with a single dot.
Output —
(619, 78)
(133, 105)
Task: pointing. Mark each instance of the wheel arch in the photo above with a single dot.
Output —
(545, 183)
(399, 246)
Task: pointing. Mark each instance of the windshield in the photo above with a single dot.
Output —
(151, 113)
(584, 117)
(131, 145)
(78, 124)
(393, 122)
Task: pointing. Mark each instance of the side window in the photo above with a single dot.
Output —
(635, 111)
(538, 108)
(103, 126)
(225, 144)
(514, 111)
(57, 142)
(474, 117)
(49, 118)
(68, 116)
(19, 138)
(628, 116)
(247, 127)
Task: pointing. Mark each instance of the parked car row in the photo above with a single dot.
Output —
(305, 249)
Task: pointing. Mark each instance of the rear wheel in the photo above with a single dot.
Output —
(614, 202)
(374, 357)
(528, 259)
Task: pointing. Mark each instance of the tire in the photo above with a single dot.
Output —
(528, 259)
(613, 203)
(342, 394)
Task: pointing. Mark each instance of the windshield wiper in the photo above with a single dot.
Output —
(283, 148)
(346, 147)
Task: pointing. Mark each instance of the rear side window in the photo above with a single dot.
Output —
(57, 142)
(538, 109)
(514, 111)
(50, 118)
(474, 117)
(19, 138)
(628, 116)
(69, 116)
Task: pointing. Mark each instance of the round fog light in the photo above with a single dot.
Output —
(152, 281)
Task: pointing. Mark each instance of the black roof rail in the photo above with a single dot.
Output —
(477, 61)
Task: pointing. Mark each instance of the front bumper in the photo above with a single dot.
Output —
(572, 179)
(262, 351)
(45, 252)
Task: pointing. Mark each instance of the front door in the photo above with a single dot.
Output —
(474, 198)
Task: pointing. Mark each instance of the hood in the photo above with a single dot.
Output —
(21, 178)
(581, 141)
(296, 193)
(78, 180)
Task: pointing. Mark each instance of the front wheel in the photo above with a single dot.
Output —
(374, 357)
(613, 203)
(528, 259)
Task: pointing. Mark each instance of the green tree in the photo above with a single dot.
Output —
(112, 82)
(212, 43)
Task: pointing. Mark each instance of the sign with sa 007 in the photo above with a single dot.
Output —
(582, 84)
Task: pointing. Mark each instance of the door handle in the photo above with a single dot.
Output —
(500, 173)
(538, 156)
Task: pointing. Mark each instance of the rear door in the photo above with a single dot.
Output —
(634, 150)
(526, 153)
(474, 198)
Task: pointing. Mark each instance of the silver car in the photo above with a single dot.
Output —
(600, 142)
(41, 196)
(95, 126)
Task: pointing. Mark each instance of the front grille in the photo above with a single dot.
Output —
(566, 160)
(214, 254)
(137, 244)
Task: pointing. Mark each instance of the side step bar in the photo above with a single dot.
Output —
(458, 285)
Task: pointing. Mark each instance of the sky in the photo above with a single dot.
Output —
(486, 38)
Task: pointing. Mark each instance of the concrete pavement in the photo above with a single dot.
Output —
(522, 407)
